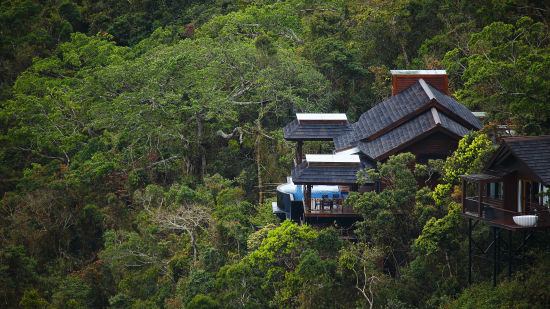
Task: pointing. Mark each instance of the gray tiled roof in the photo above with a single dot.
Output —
(456, 108)
(408, 131)
(391, 110)
(534, 152)
(330, 175)
(348, 139)
(452, 125)
(314, 131)
(399, 107)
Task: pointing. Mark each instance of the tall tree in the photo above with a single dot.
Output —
(505, 71)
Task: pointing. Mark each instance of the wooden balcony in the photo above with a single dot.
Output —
(491, 211)
(328, 207)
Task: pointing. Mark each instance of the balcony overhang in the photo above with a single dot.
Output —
(481, 178)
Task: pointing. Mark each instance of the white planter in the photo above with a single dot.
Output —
(526, 220)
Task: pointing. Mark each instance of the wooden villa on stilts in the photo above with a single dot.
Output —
(510, 195)
(420, 118)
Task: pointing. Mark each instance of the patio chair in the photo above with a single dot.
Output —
(336, 200)
(325, 201)
(317, 203)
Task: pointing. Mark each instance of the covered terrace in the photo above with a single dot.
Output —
(328, 171)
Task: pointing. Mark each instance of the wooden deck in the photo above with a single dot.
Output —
(328, 208)
(493, 214)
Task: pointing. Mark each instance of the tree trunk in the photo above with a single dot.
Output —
(404, 52)
(259, 165)
(194, 245)
(201, 147)
(396, 36)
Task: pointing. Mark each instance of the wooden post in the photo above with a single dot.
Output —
(463, 195)
(498, 249)
(299, 152)
(531, 191)
(308, 198)
(479, 208)
(305, 197)
(510, 257)
(494, 256)
(470, 250)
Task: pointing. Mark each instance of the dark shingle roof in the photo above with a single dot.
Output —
(400, 106)
(346, 140)
(397, 136)
(408, 131)
(480, 178)
(314, 131)
(329, 175)
(456, 108)
(453, 126)
(534, 151)
(391, 110)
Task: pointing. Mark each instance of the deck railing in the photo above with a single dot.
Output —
(472, 205)
(492, 210)
(328, 207)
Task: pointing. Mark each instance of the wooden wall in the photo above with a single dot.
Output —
(510, 191)
(434, 145)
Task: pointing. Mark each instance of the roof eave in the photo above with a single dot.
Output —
(434, 129)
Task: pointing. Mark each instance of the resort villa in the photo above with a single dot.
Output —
(420, 117)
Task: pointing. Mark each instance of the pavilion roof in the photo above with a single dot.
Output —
(315, 131)
(305, 174)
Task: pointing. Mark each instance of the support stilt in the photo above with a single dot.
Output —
(510, 259)
(494, 256)
(501, 249)
(497, 244)
(523, 245)
(470, 251)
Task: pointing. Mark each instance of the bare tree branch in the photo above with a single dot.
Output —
(164, 161)
(185, 218)
(248, 103)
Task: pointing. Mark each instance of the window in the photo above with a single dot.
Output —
(542, 195)
(531, 194)
(495, 190)
(520, 196)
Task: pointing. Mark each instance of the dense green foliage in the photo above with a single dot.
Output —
(140, 141)
(505, 71)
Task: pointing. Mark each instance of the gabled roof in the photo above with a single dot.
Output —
(453, 126)
(415, 129)
(346, 140)
(454, 107)
(532, 151)
(390, 111)
(402, 107)
(312, 131)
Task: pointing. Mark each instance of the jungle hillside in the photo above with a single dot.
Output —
(141, 145)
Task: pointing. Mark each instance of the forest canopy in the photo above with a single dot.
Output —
(141, 142)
